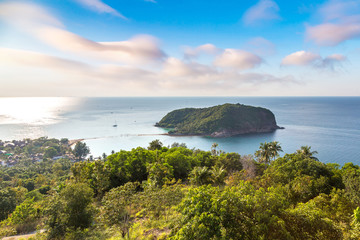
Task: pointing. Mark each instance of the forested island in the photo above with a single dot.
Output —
(219, 121)
(173, 192)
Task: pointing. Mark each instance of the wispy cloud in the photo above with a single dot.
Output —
(300, 58)
(38, 60)
(26, 15)
(332, 62)
(303, 58)
(152, 1)
(264, 10)
(190, 52)
(135, 66)
(237, 59)
(175, 75)
(331, 34)
(211, 80)
(100, 7)
(34, 20)
(341, 22)
(177, 68)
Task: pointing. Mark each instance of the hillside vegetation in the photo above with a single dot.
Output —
(219, 121)
(178, 193)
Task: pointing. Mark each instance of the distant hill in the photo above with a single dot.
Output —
(219, 121)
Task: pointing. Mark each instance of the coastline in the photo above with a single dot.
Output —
(74, 141)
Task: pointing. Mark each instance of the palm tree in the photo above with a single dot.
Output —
(218, 175)
(214, 152)
(306, 152)
(275, 148)
(264, 153)
(200, 176)
(267, 151)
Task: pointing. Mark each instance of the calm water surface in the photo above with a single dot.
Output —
(330, 125)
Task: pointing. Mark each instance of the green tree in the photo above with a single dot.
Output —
(275, 148)
(117, 206)
(200, 176)
(23, 213)
(81, 150)
(200, 220)
(306, 221)
(214, 150)
(157, 202)
(176, 144)
(264, 153)
(268, 151)
(305, 151)
(231, 162)
(7, 202)
(218, 175)
(160, 173)
(50, 152)
(304, 178)
(355, 226)
(351, 180)
(70, 210)
(180, 161)
(203, 159)
(155, 145)
(64, 141)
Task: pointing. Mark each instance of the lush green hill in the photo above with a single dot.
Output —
(219, 121)
(176, 193)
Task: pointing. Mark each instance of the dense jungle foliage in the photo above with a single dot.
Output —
(177, 193)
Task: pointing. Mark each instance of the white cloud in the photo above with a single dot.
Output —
(209, 80)
(300, 58)
(208, 48)
(26, 15)
(34, 20)
(341, 22)
(118, 68)
(303, 58)
(24, 58)
(330, 34)
(178, 68)
(140, 49)
(176, 76)
(262, 11)
(99, 6)
(237, 59)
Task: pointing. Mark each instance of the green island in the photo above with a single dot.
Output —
(173, 192)
(219, 121)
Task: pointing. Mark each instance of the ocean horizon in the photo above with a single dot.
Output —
(330, 125)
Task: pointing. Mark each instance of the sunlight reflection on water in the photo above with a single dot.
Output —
(34, 111)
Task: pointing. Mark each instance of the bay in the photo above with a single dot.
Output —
(330, 125)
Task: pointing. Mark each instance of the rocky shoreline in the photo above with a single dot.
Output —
(224, 133)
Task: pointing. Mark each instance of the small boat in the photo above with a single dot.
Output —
(115, 125)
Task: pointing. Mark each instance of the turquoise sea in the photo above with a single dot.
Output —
(330, 125)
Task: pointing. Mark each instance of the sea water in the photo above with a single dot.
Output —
(330, 125)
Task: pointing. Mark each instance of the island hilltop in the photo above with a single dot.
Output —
(219, 121)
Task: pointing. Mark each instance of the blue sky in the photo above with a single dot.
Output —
(179, 48)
